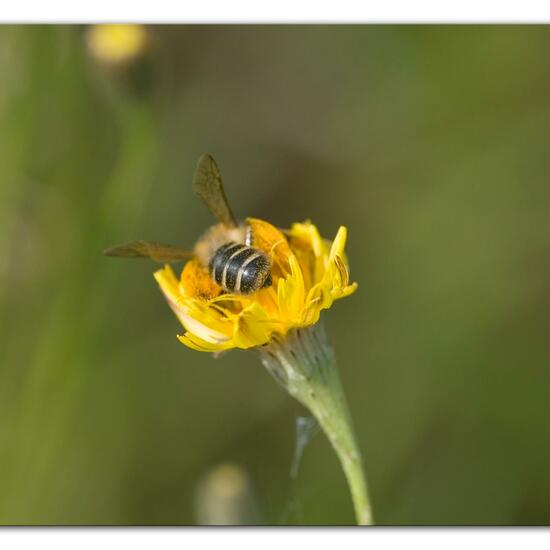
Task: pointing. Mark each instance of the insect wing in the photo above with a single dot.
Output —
(208, 186)
(147, 249)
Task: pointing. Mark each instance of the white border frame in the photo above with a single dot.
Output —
(273, 538)
(280, 11)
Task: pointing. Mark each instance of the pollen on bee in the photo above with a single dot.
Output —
(270, 240)
(197, 283)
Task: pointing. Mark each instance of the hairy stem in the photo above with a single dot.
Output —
(304, 364)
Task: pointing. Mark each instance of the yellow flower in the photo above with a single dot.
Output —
(308, 273)
(116, 44)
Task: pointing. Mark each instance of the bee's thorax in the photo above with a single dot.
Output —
(215, 237)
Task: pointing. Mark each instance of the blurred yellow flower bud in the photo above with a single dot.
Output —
(117, 44)
(225, 496)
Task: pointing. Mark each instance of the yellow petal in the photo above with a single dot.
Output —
(254, 328)
(195, 342)
(339, 243)
(195, 316)
(290, 293)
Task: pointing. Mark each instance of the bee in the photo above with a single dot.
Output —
(225, 249)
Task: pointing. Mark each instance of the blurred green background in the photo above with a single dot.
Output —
(429, 143)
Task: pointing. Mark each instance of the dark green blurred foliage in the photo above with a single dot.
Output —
(429, 143)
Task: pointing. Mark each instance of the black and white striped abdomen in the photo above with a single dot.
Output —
(240, 269)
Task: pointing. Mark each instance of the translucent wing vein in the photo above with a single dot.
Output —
(147, 249)
(208, 186)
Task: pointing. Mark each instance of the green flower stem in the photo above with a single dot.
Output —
(303, 362)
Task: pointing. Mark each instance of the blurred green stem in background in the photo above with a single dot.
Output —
(303, 362)
(66, 350)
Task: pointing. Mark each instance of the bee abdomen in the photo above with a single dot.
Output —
(240, 269)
